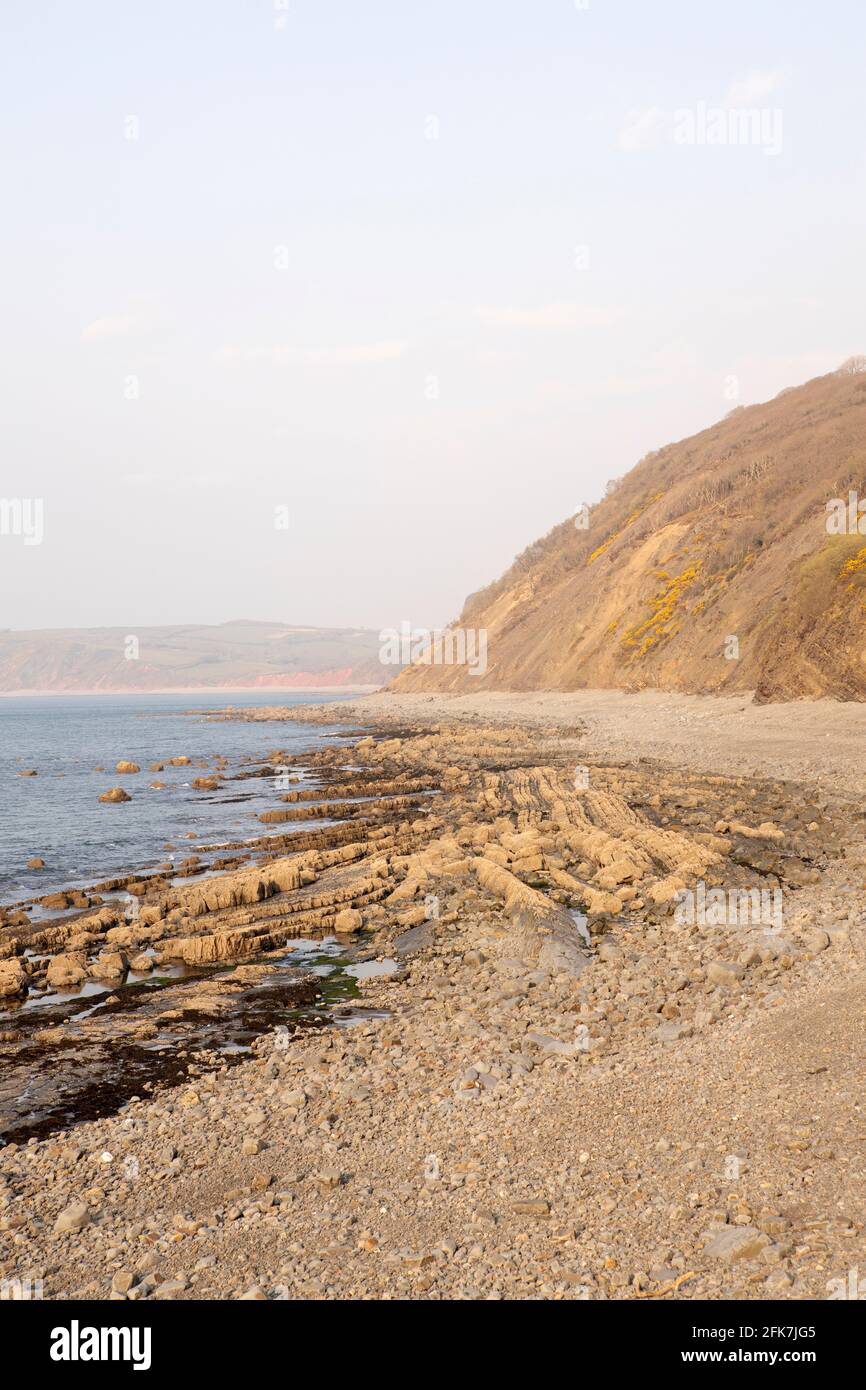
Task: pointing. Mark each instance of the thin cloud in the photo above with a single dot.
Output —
(673, 364)
(357, 355)
(351, 355)
(178, 482)
(645, 128)
(754, 88)
(642, 129)
(100, 330)
(141, 311)
(555, 317)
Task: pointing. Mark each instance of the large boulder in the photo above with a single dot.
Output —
(13, 978)
(67, 972)
(348, 921)
(110, 965)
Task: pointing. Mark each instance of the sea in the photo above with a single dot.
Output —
(57, 816)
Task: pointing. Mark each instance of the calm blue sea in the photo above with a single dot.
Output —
(57, 816)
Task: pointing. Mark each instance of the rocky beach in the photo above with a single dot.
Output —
(459, 1023)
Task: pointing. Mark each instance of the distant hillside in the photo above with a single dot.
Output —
(708, 567)
(231, 654)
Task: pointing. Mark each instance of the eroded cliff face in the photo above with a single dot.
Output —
(714, 565)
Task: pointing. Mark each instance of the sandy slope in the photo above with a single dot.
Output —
(750, 530)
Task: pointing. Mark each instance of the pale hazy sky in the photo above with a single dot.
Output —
(426, 275)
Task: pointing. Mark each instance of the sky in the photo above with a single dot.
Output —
(320, 312)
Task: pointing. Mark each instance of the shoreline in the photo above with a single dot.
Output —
(818, 741)
(530, 1115)
(202, 690)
